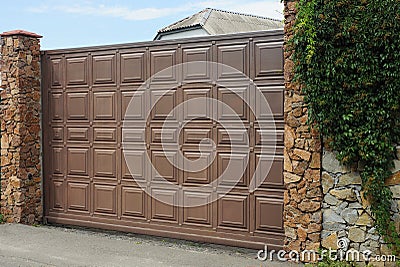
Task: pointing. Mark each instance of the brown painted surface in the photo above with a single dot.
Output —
(86, 181)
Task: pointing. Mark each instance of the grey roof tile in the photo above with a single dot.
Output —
(216, 21)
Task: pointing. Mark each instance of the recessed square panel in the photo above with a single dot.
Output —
(161, 61)
(77, 106)
(274, 96)
(78, 159)
(133, 105)
(233, 106)
(133, 164)
(270, 170)
(105, 199)
(105, 163)
(57, 106)
(269, 213)
(233, 211)
(133, 67)
(195, 105)
(232, 168)
(198, 167)
(163, 205)
(235, 56)
(163, 103)
(56, 72)
(199, 208)
(164, 169)
(201, 70)
(133, 202)
(104, 69)
(77, 71)
(57, 195)
(78, 196)
(268, 59)
(104, 105)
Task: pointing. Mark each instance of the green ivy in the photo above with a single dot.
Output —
(347, 59)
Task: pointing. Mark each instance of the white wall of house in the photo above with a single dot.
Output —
(184, 34)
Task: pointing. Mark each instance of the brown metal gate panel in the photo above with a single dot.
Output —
(87, 181)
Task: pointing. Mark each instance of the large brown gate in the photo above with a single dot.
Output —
(86, 92)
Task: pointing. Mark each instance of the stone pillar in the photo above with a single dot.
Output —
(302, 160)
(21, 193)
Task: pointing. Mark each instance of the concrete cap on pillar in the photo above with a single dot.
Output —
(20, 32)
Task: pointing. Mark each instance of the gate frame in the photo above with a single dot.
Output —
(276, 36)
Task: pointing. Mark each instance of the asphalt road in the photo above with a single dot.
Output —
(22, 245)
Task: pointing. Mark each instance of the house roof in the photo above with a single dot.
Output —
(215, 21)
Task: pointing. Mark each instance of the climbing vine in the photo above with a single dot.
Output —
(347, 58)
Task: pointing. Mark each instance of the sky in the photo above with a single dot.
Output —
(77, 23)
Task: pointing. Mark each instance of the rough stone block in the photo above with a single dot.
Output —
(351, 178)
(396, 191)
(309, 206)
(349, 215)
(330, 216)
(331, 164)
(364, 219)
(327, 182)
(331, 200)
(315, 160)
(344, 194)
(291, 178)
(330, 241)
(356, 234)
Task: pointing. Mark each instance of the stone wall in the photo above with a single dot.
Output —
(345, 211)
(20, 128)
(322, 203)
(302, 161)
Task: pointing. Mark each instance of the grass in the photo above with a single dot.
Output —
(330, 263)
